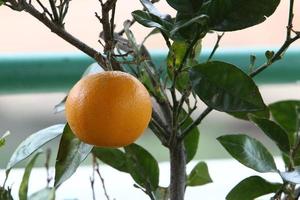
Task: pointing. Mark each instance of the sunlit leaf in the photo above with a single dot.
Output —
(199, 175)
(251, 188)
(249, 151)
(70, 155)
(150, 20)
(113, 157)
(44, 194)
(224, 87)
(142, 166)
(292, 177)
(152, 9)
(23, 190)
(33, 143)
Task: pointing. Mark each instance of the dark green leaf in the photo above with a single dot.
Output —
(199, 175)
(44, 194)
(273, 131)
(2, 138)
(285, 113)
(249, 151)
(191, 141)
(150, 20)
(23, 190)
(162, 193)
(224, 87)
(113, 157)
(1, 2)
(70, 155)
(187, 6)
(245, 115)
(201, 20)
(142, 167)
(231, 15)
(5, 194)
(34, 142)
(251, 188)
(292, 177)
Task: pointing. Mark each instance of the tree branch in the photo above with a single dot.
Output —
(219, 37)
(22, 5)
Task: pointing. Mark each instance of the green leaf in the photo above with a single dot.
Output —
(231, 15)
(186, 6)
(1, 2)
(142, 167)
(60, 107)
(112, 157)
(33, 143)
(199, 175)
(153, 10)
(23, 190)
(2, 138)
(273, 131)
(150, 20)
(201, 20)
(70, 155)
(285, 114)
(292, 177)
(162, 193)
(249, 151)
(5, 194)
(245, 115)
(174, 60)
(191, 141)
(251, 188)
(45, 194)
(224, 87)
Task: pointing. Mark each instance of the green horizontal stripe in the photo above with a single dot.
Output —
(48, 72)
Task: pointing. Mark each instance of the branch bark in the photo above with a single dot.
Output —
(61, 32)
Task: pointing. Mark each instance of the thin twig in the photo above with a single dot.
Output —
(59, 31)
(216, 46)
(186, 131)
(54, 11)
(45, 9)
(96, 168)
(48, 156)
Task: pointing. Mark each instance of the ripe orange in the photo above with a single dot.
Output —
(108, 109)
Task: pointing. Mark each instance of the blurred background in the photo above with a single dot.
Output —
(24, 114)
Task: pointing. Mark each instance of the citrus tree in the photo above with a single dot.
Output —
(107, 111)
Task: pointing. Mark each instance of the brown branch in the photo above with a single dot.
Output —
(59, 31)
(216, 46)
(107, 33)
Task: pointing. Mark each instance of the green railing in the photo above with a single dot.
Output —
(24, 73)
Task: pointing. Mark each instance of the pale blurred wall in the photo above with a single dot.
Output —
(22, 33)
(24, 114)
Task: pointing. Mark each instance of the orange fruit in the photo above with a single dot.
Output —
(108, 109)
